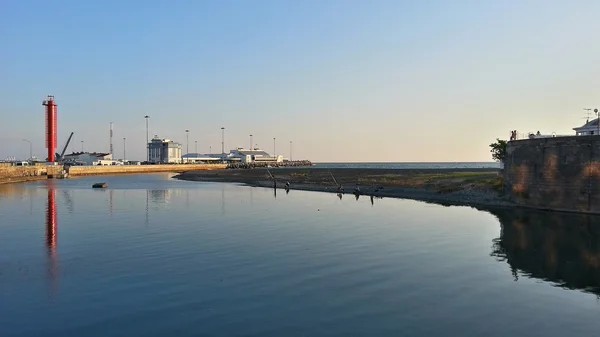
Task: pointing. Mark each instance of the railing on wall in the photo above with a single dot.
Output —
(526, 135)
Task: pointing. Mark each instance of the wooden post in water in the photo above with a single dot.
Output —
(340, 187)
(270, 174)
(274, 181)
(332, 177)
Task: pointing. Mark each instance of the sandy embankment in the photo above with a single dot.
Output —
(471, 187)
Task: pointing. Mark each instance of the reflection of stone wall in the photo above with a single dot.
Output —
(561, 173)
(17, 190)
(559, 248)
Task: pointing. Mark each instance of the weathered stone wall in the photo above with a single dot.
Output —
(9, 174)
(561, 173)
(95, 170)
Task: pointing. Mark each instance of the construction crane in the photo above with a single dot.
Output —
(60, 156)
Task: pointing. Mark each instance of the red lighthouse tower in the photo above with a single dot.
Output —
(51, 126)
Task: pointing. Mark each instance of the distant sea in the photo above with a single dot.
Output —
(446, 165)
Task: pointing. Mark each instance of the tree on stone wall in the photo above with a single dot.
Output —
(498, 150)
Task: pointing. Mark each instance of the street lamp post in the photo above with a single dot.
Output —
(223, 142)
(291, 150)
(110, 147)
(196, 147)
(187, 143)
(274, 155)
(30, 151)
(147, 144)
(82, 146)
(124, 147)
(251, 142)
(210, 149)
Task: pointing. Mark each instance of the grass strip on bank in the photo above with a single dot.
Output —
(443, 181)
(440, 182)
(481, 187)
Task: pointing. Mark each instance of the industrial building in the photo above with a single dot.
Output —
(236, 155)
(87, 158)
(164, 151)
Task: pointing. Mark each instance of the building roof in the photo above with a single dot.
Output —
(94, 154)
(246, 152)
(157, 139)
(251, 152)
(590, 124)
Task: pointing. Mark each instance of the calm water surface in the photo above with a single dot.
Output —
(152, 256)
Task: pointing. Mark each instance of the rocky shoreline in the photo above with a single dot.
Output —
(478, 188)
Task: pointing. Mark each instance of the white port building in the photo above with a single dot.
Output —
(193, 158)
(236, 155)
(164, 151)
(252, 156)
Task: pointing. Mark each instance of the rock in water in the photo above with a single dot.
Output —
(99, 185)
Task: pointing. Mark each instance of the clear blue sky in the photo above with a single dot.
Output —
(344, 80)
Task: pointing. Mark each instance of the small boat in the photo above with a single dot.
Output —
(99, 185)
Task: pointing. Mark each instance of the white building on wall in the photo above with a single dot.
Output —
(588, 129)
(164, 151)
(252, 156)
(87, 158)
(193, 158)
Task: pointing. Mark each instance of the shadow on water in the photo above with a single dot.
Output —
(68, 201)
(159, 196)
(147, 208)
(222, 199)
(563, 249)
(110, 202)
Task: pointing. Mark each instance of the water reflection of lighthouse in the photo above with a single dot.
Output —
(51, 233)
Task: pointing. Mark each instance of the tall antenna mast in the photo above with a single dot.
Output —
(589, 113)
(111, 137)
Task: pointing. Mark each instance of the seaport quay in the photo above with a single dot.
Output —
(13, 174)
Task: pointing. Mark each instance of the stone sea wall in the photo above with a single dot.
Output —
(97, 170)
(561, 173)
(12, 174)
